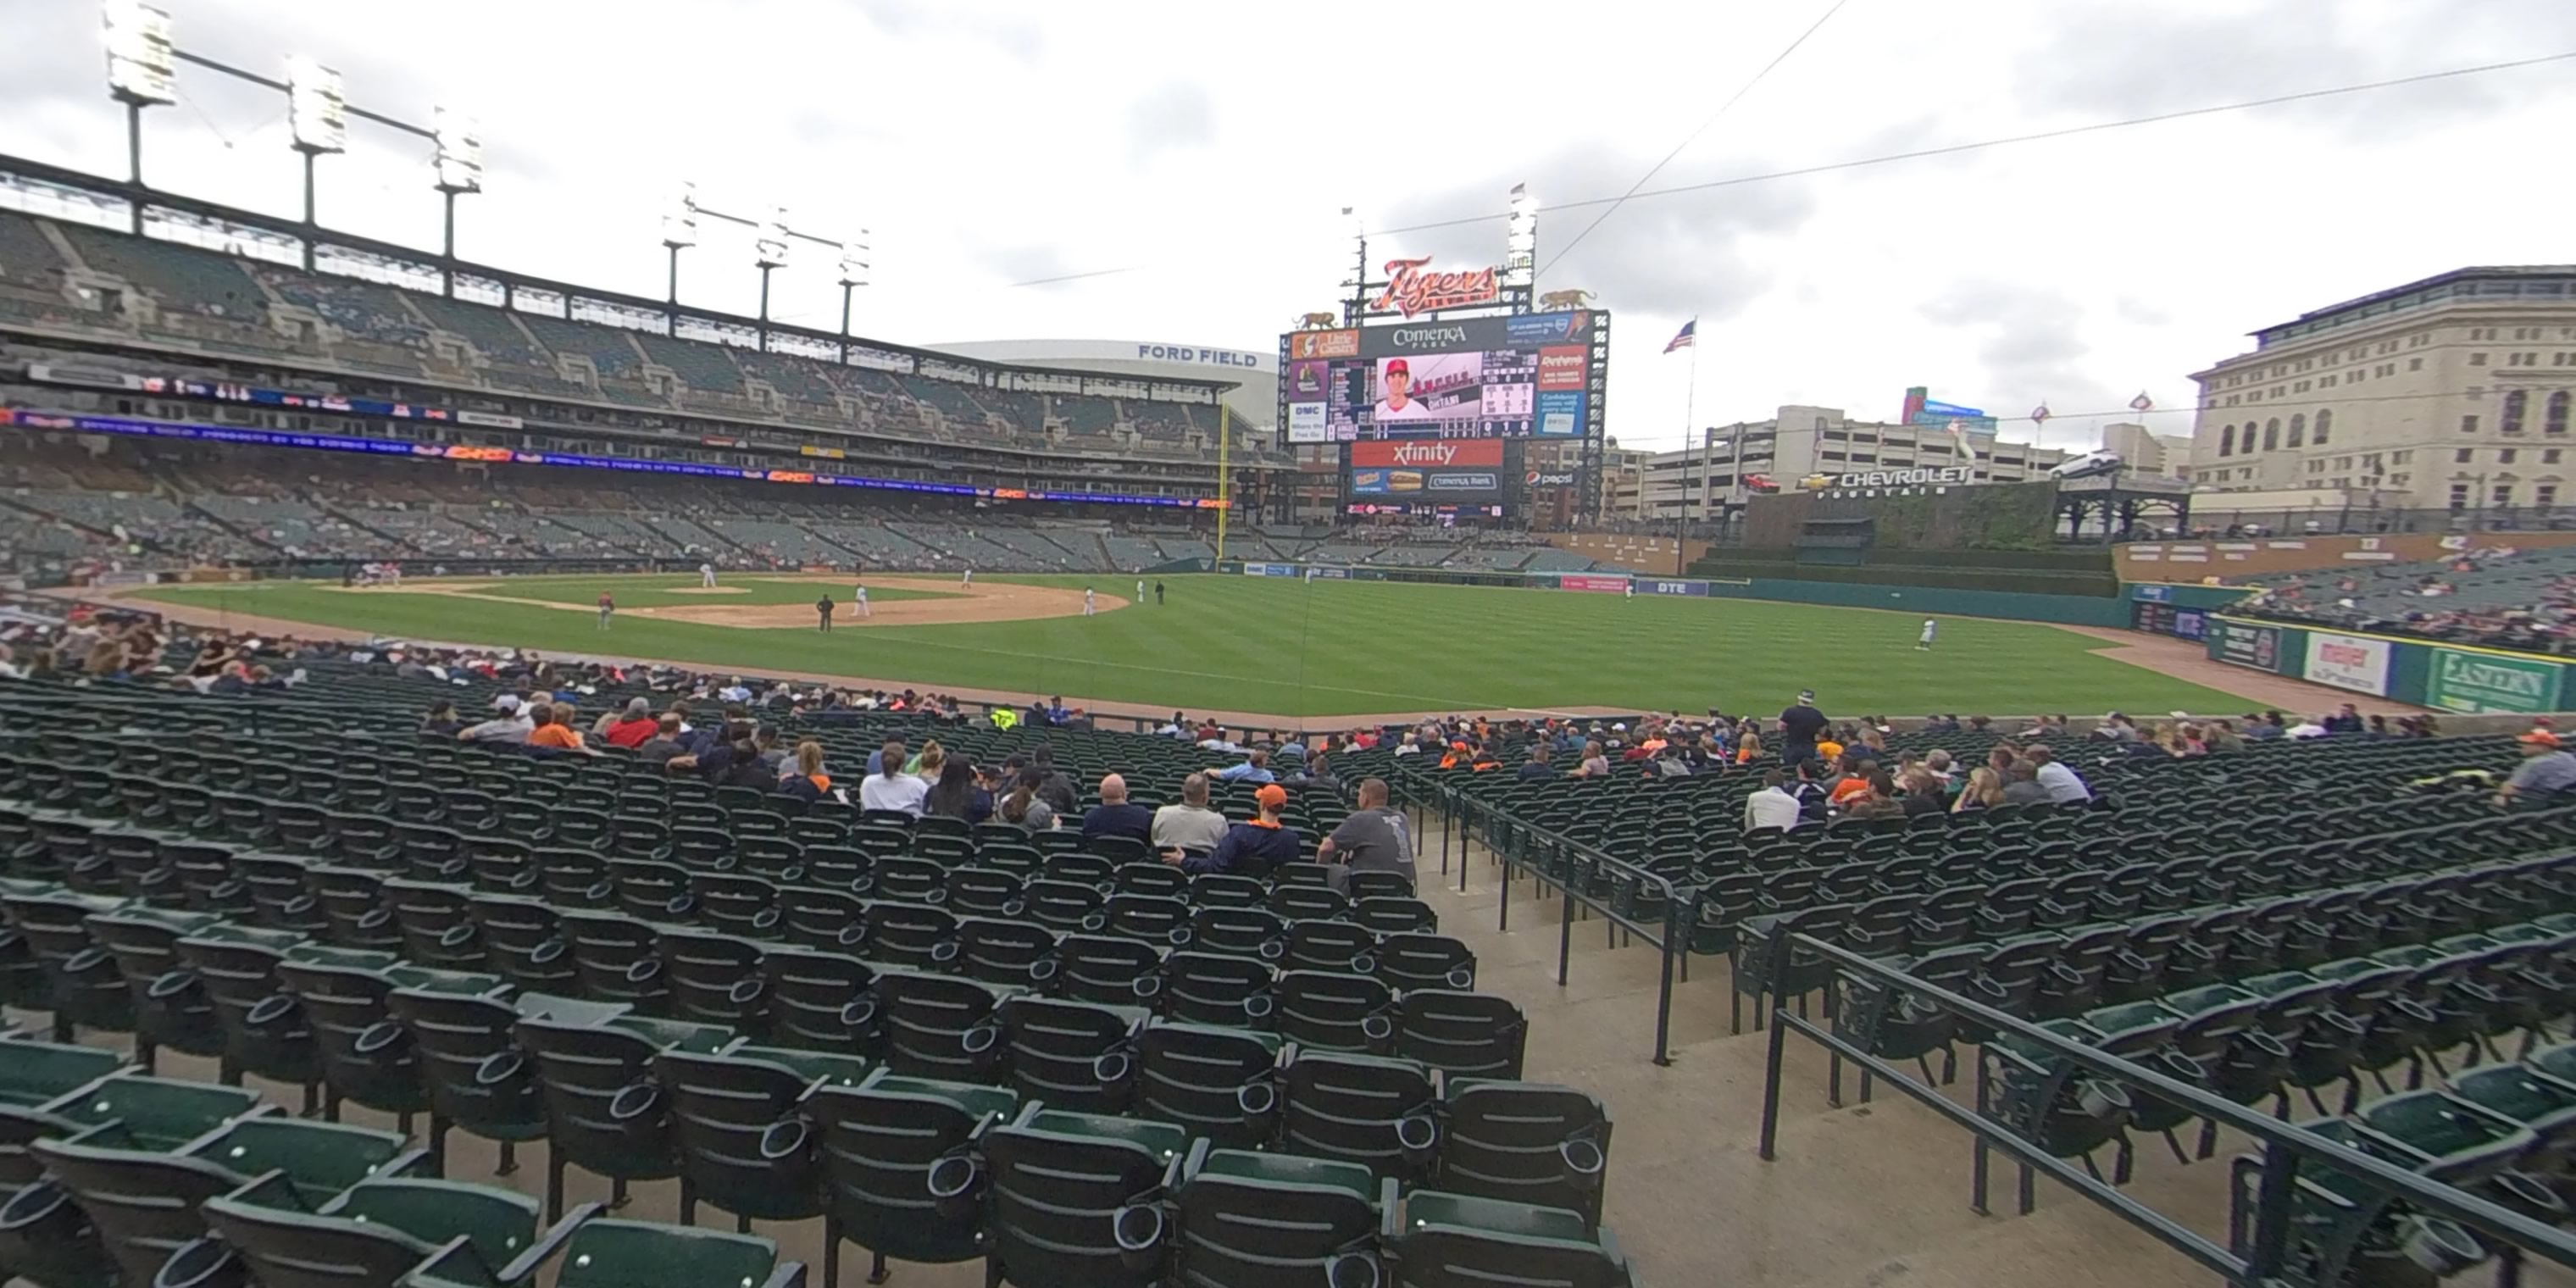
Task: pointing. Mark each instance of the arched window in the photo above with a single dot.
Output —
(2272, 434)
(2514, 403)
(2227, 441)
(2325, 424)
(2554, 420)
(2298, 429)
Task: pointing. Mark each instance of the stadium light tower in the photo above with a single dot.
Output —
(679, 232)
(1520, 247)
(142, 71)
(460, 162)
(317, 121)
(854, 274)
(769, 251)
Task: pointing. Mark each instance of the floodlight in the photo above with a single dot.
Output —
(460, 150)
(680, 222)
(1520, 239)
(142, 67)
(770, 249)
(854, 260)
(317, 111)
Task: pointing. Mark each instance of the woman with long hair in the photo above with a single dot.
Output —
(809, 783)
(934, 761)
(1749, 748)
(953, 796)
(1985, 790)
(1024, 807)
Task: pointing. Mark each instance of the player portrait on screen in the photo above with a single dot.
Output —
(1395, 378)
(1427, 387)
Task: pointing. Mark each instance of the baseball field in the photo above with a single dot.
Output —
(1273, 646)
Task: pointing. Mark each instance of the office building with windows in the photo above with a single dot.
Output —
(2452, 393)
(1811, 446)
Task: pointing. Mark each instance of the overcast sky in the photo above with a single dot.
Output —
(1192, 158)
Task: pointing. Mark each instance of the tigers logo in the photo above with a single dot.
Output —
(1410, 290)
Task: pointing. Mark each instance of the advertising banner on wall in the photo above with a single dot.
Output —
(2348, 662)
(2485, 682)
(1652, 587)
(1592, 582)
(2246, 645)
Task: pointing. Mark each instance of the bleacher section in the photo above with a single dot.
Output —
(221, 304)
(362, 309)
(26, 258)
(2498, 596)
(178, 277)
(707, 368)
(489, 330)
(936, 1042)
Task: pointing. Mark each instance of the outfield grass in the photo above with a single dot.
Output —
(1324, 648)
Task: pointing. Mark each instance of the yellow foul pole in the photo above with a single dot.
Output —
(1224, 476)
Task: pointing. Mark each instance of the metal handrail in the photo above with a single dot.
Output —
(1668, 938)
(2284, 1146)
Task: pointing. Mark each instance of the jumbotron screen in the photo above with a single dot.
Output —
(1506, 377)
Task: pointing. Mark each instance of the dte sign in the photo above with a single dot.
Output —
(1204, 357)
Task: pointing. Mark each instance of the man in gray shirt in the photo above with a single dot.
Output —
(1189, 827)
(1373, 839)
(2547, 772)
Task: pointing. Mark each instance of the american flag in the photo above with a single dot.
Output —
(1686, 337)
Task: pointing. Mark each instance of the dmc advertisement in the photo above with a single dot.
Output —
(1307, 423)
(1592, 582)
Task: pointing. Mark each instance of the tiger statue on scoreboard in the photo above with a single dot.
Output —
(1555, 300)
(1317, 322)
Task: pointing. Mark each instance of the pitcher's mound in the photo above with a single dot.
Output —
(710, 590)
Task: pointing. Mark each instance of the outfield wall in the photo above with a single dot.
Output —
(2067, 610)
(2445, 677)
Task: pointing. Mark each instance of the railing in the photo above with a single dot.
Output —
(2259, 1249)
(1519, 845)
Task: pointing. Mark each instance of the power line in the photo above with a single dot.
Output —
(2006, 141)
(1693, 137)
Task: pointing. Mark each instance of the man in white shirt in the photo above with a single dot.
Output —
(2061, 783)
(1771, 807)
(1190, 826)
(513, 724)
(890, 787)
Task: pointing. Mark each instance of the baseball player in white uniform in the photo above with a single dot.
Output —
(707, 576)
(1140, 590)
(1088, 607)
(859, 596)
(969, 578)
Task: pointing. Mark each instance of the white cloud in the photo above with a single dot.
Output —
(1206, 150)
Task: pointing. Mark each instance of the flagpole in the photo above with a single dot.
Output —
(1690, 398)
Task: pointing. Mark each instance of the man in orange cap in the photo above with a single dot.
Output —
(1255, 847)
